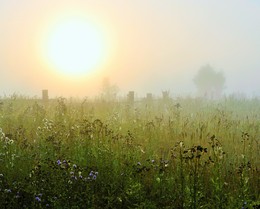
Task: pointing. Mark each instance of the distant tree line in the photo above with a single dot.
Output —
(209, 83)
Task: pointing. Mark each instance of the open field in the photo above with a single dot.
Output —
(181, 153)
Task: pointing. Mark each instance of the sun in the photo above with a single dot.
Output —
(75, 46)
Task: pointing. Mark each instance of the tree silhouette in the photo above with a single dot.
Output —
(108, 91)
(209, 83)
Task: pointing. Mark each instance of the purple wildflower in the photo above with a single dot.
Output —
(38, 199)
(92, 175)
(58, 162)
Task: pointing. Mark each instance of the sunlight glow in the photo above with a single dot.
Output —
(75, 47)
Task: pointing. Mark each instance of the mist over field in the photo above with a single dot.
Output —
(151, 46)
(129, 104)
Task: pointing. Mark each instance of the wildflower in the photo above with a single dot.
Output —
(139, 163)
(17, 195)
(10, 141)
(58, 162)
(92, 175)
(65, 164)
(95, 176)
(244, 205)
(152, 161)
(80, 176)
(38, 199)
(8, 190)
(74, 166)
(181, 144)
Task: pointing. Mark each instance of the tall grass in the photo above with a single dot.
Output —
(182, 153)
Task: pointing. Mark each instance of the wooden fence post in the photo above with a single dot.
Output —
(165, 96)
(149, 98)
(45, 96)
(131, 97)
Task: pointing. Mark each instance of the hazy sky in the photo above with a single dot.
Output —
(152, 45)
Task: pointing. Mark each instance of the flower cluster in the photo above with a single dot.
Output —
(4, 138)
(63, 164)
(92, 175)
(76, 172)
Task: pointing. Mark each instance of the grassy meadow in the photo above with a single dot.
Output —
(180, 153)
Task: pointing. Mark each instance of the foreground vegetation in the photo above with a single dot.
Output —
(181, 153)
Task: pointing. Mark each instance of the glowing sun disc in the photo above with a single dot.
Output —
(75, 47)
